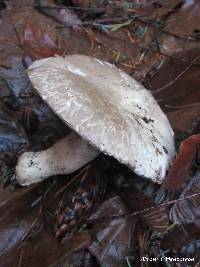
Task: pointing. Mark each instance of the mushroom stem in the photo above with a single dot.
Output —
(64, 157)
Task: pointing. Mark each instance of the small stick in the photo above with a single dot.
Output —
(85, 169)
(21, 256)
(177, 58)
(139, 212)
(156, 28)
(177, 77)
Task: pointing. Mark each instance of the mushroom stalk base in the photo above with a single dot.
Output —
(64, 157)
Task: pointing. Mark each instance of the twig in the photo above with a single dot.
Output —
(35, 221)
(183, 106)
(85, 169)
(157, 28)
(96, 39)
(130, 37)
(8, 83)
(69, 7)
(127, 6)
(177, 77)
(177, 58)
(127, 259)
(30, 228)
(128, 66)
(99, 9)
(43, 196)
(107, 20)
(23, 240)
(139, 212)
(21, 256)
(96, 23)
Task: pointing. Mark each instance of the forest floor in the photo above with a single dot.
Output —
(157, 43)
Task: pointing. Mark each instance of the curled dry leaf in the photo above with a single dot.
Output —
(179, 170)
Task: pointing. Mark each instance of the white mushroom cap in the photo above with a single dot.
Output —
(109, 109)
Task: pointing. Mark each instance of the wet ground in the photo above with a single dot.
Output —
(126, 218)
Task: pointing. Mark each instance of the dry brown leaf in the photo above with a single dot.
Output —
(178, 172)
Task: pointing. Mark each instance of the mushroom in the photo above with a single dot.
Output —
(108, 109)
(65, 156)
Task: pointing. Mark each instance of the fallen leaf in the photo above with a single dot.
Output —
(12, 136)
(36, 42)
(25, 234)
(176, 84)
(140, 195)
(63, 15)
(15, 77)
(180, 236)
(188, 210)
(186, 19)
(89, 3)
(178, 172)
(113, 241)
(185, 120)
